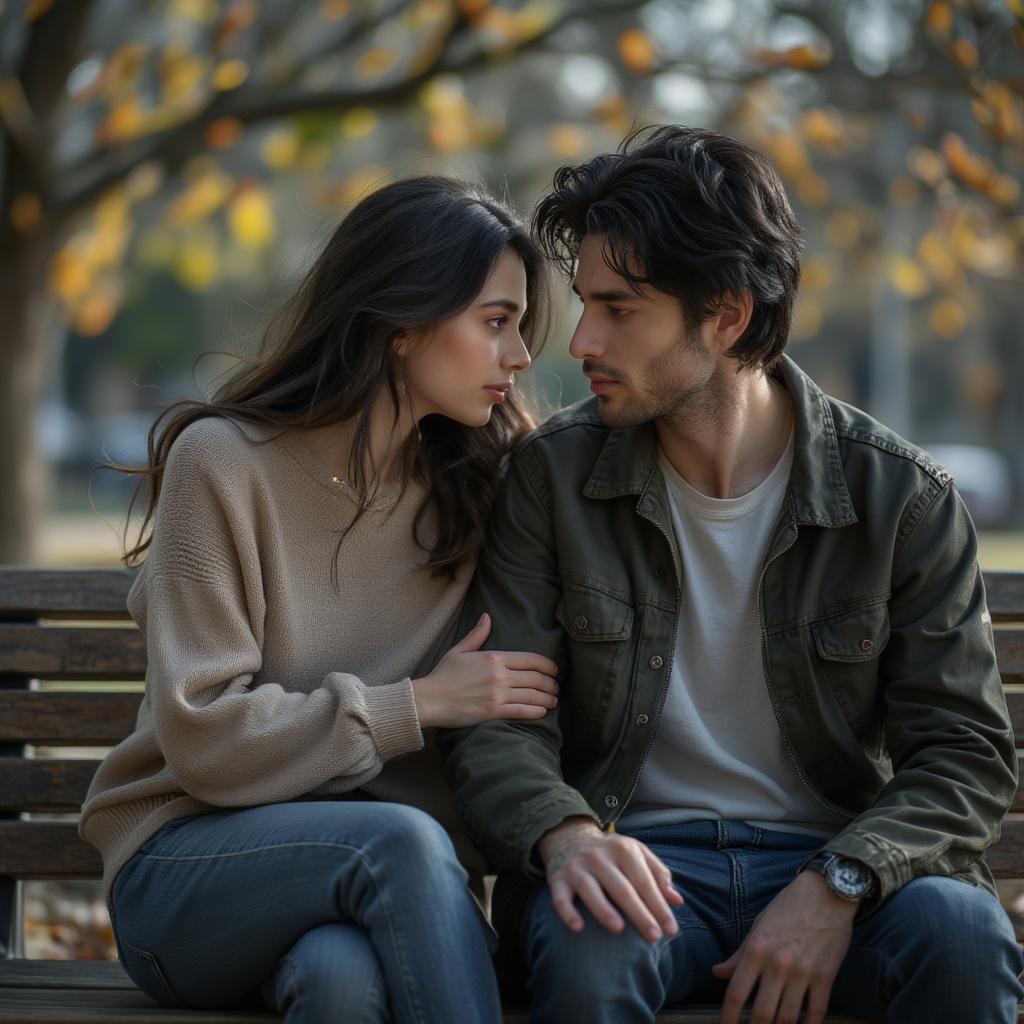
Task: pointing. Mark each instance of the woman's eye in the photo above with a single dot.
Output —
(498, 322)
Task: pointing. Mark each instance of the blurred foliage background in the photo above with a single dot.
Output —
(169, 168)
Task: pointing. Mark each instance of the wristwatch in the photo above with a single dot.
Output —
(848, 879)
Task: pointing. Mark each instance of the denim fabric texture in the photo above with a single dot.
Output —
(938, 950)
(349, 910)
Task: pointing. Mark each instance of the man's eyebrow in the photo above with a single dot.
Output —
(609, 294)
(508, 304)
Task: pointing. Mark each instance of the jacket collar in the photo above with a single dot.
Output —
(818, 494)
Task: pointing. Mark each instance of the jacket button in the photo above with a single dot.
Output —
(611, 801)
(867, 645)
(656, 661)
(579, 623)
(642, 719)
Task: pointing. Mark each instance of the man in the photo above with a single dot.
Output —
(781, 747)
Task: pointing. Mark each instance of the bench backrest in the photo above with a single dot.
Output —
(71, 672)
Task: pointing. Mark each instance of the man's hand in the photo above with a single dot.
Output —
(793, 951)
(607, 871)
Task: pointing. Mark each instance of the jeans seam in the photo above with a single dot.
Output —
(357, 852)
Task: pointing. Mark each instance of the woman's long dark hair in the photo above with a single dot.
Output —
(408, 256)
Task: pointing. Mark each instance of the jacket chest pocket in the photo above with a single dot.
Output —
(848, 647)
(598, 632)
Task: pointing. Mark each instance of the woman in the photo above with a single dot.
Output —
(272, 825)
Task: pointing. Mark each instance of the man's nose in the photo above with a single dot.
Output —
(585, 344)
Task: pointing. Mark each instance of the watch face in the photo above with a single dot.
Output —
(849, 877)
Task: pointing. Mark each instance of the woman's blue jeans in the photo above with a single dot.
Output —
(938, 950)
(343, 911)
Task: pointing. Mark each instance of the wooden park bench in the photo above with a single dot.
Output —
(67, 627)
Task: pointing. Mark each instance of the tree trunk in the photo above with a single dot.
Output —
(28, 332)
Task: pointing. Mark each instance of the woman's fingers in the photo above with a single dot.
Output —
(527, 661)
(525, 695)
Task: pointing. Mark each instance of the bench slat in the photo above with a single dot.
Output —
(27, 592)
(116, 1006)
(69, 974)
(65, 652)
(1010, 655)
(44, 784)
(1005, 594)
(33, 850)
(78, 719)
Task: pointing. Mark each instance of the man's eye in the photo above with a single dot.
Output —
(617, 311)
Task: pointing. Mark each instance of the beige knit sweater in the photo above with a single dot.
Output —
(264, 684)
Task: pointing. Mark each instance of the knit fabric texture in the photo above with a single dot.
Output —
(265, 682)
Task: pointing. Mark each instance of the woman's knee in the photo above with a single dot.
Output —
(414, 836)
(331, 973)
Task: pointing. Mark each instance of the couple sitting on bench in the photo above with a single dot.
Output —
(723, 707)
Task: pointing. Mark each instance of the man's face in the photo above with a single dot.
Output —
(642, 359)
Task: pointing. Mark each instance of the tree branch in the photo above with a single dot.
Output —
(175, 146)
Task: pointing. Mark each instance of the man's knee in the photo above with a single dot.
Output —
(592, 967)
(952, 922)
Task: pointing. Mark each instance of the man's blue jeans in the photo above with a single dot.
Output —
(354, 911)
(938, 950)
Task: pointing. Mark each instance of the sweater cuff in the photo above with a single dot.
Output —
(392, 719)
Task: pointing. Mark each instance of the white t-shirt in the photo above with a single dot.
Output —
(718, 752)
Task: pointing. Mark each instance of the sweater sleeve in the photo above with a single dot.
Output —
(199, 602)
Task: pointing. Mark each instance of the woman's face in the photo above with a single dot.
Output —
(464, 367)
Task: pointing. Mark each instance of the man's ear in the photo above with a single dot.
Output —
(732, 319)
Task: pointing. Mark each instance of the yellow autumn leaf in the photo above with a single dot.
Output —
(824, 129)
(157, 247)
(1017, 6)
(813, 190)
(230, 74)
(903, 190)
(182, 77)
(809, 318)
(201, 197)
(36, 9)
(843, 229)
(335, 10)
(907, 277)
(965, 53)
(818, 273)
(251, 218)
(359, 122)
(95, 312)
(201, 11)
(804, 57)
(376, 62)
(936, 253)
(198, 262)
(567, 141)
(26, 212)
(124, 120)
(637, 51)
(443, 95)
(280, 149)
(70, 272)
(939, 18)
(1004, 189)
(926, 164)
(449, 132)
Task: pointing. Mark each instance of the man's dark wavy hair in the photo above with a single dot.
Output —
(692, 213)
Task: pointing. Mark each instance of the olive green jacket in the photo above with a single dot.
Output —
(877, 644)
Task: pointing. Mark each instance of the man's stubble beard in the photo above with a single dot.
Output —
(670, 391)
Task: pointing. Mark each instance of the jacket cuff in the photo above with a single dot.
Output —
(392, 719)
(540, 818)
(889, 863)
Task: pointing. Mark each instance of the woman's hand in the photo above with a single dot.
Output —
(470, 686)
